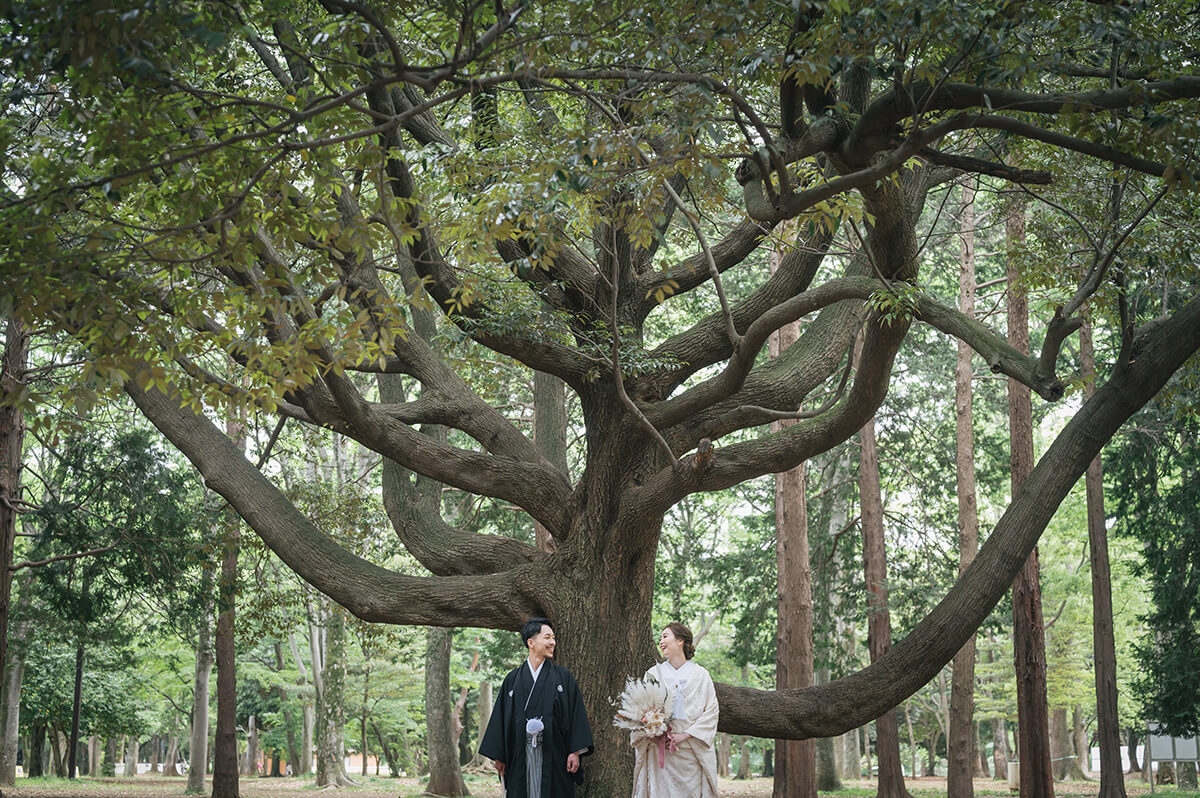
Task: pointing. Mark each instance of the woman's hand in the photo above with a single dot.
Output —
(675, 738)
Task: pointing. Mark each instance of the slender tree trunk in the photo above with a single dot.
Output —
(388, 752)
(723, 744)
(95, 753)
(1029, 642)
(293, 755)
(225, 748)
(76, 704)
(10, 698)
(1083, 752)
(251, 766)
(743, 771)
(1112, 780)
(13, 366)
(307, 715)
(828, 777)
(912, 738)
(852, 763)
(198, 745)
(445, 774)
(795, 760)
(959, 765)
(1131, 749)
(37, 741)
(879, 630)
(155, 742)
(979, 751)
(484, 710)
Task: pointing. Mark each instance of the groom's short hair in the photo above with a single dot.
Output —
(532, 628)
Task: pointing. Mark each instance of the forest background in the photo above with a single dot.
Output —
(441, 412)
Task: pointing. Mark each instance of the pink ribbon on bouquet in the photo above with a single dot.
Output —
(664, 744)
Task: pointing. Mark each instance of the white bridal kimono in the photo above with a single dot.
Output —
(691, 770)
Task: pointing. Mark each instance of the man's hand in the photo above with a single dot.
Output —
(499, 766)
(572, 763)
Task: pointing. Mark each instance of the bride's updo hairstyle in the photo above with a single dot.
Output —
(683, 633)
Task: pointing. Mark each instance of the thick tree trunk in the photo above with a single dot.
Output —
(198, 744)
(445, 774)
(225, 747)
(1104, 654)
(1029, 642)
(879, 627)
(959, 764)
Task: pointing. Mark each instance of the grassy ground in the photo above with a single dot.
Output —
(484, 787)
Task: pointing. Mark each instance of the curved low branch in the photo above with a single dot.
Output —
(847, 703)
(373, 593)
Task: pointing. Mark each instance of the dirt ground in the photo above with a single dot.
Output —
(484, 787)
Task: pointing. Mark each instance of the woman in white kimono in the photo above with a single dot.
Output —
(689, 762)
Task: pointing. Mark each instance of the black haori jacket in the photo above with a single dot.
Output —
(557, 701)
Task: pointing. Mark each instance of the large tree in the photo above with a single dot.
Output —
(240, 204)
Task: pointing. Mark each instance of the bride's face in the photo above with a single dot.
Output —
(669, 644)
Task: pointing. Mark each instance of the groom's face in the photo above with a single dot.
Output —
(542, 643)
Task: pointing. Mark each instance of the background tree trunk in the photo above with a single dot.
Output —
(131, 757)
(445, 775)
(1060, 743)
(960, 759)
(293, 754)
(95, 754)
(852, 761)
(1104, 653)
(250, 768)
(328, 644)
(10, 702)
(225, 747)
(795, 760)
(879, 628)
(1029, 642)
(828, 777)
(198, 744)
(13, 366)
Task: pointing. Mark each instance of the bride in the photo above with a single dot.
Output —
(689, 767)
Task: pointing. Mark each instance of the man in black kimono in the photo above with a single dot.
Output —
(538, 729)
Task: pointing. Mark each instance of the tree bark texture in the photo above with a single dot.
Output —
(445, 774)
(1029, 641)
(960, 761)
(225, 745)
(795, 760)
(1104, 653)
(879, 624)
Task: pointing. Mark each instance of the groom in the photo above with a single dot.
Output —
(538, 729)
